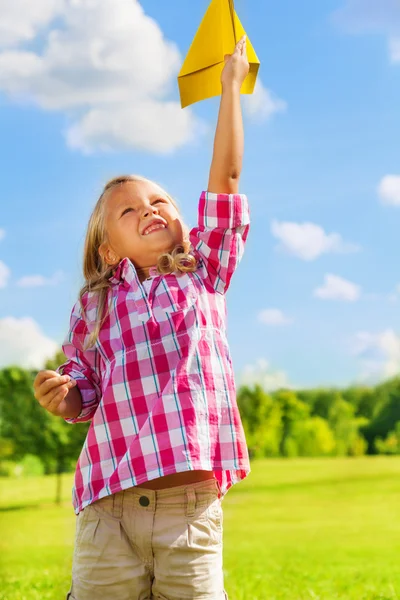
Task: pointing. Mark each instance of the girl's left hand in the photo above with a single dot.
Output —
(236, 65)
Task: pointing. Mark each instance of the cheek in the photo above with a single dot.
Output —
(178, 230)
(125, 232)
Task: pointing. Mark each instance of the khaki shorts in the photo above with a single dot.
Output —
(141, 544)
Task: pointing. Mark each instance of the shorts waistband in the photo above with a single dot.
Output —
(187, 496)
(207, 486)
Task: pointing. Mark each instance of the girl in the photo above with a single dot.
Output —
(148, 363)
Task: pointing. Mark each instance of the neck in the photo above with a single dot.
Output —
(143, 272)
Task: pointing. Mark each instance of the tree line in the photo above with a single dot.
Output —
(354, 421)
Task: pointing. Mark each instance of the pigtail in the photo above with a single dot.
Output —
(177, 261)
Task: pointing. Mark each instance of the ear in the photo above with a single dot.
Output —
(108, 255)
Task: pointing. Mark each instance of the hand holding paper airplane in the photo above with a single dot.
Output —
(236, 66)
(217, 36)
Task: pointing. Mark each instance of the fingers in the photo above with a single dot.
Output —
(55, 396)
(53, 402)
(43, 376)
(241, 46)
(50, 383)
(51, 388)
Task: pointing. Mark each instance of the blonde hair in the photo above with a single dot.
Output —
(97, 272)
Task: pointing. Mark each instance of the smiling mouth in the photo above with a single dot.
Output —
(153, 228)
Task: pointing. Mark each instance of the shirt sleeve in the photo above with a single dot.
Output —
(219, 239)
(83, 365)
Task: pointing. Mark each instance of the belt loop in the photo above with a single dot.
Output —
(118, 504)
(191, 501)
(219, 490)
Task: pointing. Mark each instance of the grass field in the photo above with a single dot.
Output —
(309, 529)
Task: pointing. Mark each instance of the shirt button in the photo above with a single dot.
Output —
(144, 501)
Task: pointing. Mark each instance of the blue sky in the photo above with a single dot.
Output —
(88, 90)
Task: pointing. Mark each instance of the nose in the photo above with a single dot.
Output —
(149, 210)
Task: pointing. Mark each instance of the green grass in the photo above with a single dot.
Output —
(309, 529)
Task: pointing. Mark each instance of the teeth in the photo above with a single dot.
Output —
(153, 228)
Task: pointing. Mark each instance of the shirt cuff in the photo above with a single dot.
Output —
(88, 394)
(223, 211)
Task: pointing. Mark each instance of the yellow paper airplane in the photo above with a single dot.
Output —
(219, 31)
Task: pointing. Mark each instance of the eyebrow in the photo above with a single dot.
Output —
(126, 203)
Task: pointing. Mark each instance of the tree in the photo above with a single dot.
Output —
(386, 415)
(293, 411)
(324, 401)
(312, 437)
(391, 444)
(346, 428)
(33, 430)
(262, 421)
(363, 399)
(23, 421)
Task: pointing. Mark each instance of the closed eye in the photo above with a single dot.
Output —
(128, 209)
(158, 200)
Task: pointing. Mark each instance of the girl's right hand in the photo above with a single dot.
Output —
(236, 66)
(51, 388)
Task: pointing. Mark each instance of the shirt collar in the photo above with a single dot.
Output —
(126, 272)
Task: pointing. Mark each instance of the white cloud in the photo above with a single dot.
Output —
(273, 316)
(107, 65)
(40, 280)
(4, 274)
(379, 353)
(389, 190)
(394, 49)
(308, 240)
(372, 16)
(262, 104)
(337, 288)
(262, 374)
(138, 125)
(22, 343)
(21, 20)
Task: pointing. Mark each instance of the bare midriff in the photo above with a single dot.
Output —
(176, 479)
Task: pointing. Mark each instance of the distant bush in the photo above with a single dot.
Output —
(29, 466)
(8, 468)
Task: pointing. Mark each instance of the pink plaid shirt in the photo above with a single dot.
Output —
(159, 385)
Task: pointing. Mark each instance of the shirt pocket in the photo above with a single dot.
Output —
(176, 310)
(177, 293)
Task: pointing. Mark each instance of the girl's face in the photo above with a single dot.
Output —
(141, 223)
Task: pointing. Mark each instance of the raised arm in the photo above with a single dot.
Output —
(226, 164)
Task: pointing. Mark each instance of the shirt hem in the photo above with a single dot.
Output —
(244, 470)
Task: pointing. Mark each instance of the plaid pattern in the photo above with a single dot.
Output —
(159, 385)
